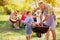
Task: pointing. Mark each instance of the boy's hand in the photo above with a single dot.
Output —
(13, 20)
(33, 24)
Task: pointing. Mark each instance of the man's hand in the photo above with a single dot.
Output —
(41, 23)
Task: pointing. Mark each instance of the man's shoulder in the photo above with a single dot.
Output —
(49, 7)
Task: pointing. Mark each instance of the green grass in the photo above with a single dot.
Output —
(7, 33)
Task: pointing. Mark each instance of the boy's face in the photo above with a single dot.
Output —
(30, 14)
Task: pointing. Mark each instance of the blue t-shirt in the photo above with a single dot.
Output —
(29, 20)
(50, 20)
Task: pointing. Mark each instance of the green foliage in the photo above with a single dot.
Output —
(4, 2)
(9, 5)
(21, 5)
(52, 2)
(7, 10)
(2, 11)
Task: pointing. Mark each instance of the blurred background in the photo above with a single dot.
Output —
(6, 6)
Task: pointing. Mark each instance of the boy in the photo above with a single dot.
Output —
(23, 16)
(28, 22)
(14, 19)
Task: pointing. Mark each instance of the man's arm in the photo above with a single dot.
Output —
(48, 15)
(41, 17)
(41, 22)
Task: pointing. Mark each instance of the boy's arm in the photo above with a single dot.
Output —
(12, 19)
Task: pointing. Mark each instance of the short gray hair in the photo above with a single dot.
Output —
(41, 3)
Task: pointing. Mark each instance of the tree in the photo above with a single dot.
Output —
(52, 2)
(4, 2)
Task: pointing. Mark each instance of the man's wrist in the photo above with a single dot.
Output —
(43, 20)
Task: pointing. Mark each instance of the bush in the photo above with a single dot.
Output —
(58, 22)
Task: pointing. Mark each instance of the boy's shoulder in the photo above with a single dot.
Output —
(28, 17)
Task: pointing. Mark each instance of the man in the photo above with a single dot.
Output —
(14, 19)
(47, 13)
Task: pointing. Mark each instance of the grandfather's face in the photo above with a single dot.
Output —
(42, 6)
